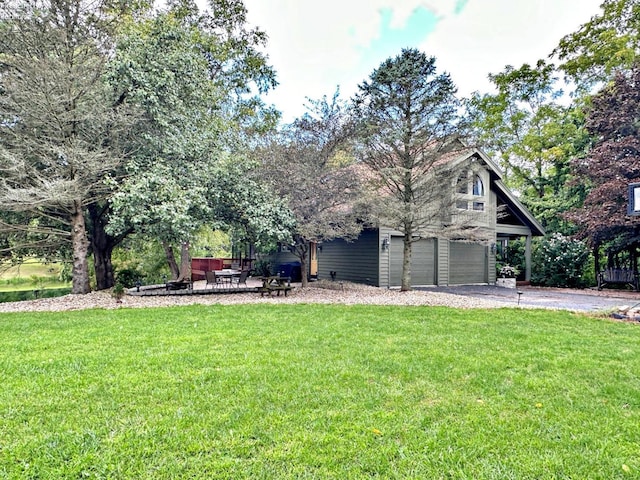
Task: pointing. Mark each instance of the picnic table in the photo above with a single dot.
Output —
(275, 283)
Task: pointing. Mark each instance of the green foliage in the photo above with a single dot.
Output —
(308, 164)
(66, 272)
(127, 277)
(560, 261)
(246, 202)
(59, 130)
(318, 391)
(513, 257)
(536, 138)
(33, 294)
(612, 164)
(192, 75)
(32, 273)
(608, 43)
(263, 268)
(146, 259)
(118, 291)
(211, 243)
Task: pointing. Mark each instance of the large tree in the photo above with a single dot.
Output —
(608, 43)
(196, 77)
(310, 164)
(409, 116)
(534, 135)
(613, 162)
(58, 127)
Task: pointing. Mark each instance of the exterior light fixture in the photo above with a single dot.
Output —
(385, 244)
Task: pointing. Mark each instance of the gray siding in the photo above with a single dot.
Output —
(442, 262)
(467, 263)
(385, 257)
(356, 261)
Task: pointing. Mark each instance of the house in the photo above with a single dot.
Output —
(376, 256)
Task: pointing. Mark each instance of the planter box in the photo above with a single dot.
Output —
(506, 282)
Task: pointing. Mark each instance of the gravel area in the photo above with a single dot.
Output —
(320, 292)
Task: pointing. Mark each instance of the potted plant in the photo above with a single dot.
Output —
(507, 276)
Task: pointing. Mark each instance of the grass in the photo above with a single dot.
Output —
(311, 391)
(30, 280)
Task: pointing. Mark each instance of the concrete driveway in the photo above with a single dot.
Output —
(566, 299)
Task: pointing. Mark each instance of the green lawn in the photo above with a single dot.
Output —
(306, 391)
(30, 275)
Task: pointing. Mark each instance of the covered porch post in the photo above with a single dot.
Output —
(527, 259)
(512, 232)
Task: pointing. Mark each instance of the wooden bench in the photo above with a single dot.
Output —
(275, 284)
(619, 276)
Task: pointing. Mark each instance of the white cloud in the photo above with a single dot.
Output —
(315, 46)
(491, 34)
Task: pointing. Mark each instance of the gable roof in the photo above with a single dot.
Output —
(519, 210)
(516, 207)
(457, 152)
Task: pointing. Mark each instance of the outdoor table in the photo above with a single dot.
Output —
(275, 284)
(227, 274)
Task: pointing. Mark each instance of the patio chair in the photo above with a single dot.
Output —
(212, 279)
(242, 279)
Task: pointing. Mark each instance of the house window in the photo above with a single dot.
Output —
(462, 205)
(478, 206)
(463, 183)
(478, 187)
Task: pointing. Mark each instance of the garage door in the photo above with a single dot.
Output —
(422, 262)
(467, 263)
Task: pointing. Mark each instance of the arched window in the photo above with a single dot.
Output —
(478, 187)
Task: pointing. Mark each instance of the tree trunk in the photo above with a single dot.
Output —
(171, 260)
(406, 263)
(102, 247)
(103, 268)
(303, 255)
(185, 261)
(80, 247)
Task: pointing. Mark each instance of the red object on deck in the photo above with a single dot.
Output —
(203, 265)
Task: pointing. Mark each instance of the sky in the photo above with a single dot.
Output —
(317, 46)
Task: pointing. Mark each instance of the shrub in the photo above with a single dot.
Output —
(507, 271)
(146, 258)
(559, 261)
(66, 272)
(21, 295)
(127, 277)
(513, 256)
(262, 268)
